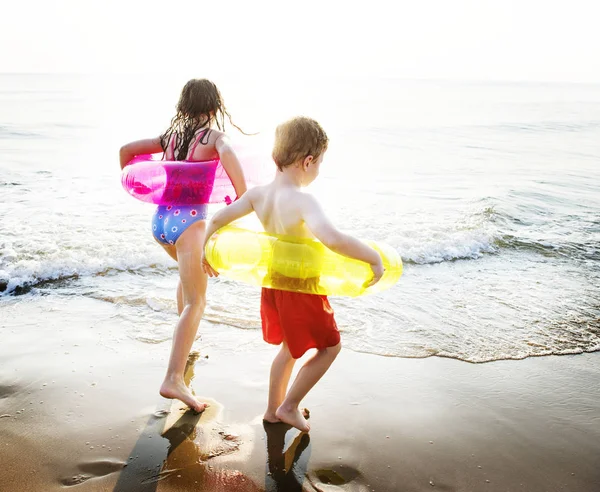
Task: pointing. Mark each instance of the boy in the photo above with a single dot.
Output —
(299, 321)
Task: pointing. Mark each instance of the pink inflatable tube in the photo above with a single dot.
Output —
(152, 180)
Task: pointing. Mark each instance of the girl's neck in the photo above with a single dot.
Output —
(203, 122)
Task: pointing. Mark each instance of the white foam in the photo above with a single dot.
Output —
(439, 246)
(41, 257)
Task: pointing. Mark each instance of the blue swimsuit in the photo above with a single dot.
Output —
(170, 221)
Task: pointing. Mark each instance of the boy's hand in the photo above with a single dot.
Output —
(208, 269)
(378, 271)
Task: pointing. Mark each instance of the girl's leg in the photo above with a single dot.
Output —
(307, 377)
(179, 297)
(172, 252)
(281, 370)
(191, 303)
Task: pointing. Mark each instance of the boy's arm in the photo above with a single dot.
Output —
(241, 207)
(231, 164)
(344, 244)
(146, 146)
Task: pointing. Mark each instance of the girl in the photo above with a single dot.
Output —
(180, 229)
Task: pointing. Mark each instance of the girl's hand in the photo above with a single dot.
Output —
(208, 269)
(378, 270)
(130, 150)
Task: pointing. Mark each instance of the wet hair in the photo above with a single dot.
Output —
(200, 105)
(296, 139)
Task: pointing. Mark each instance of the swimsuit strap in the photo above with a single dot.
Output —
(203, 137)
(172, 145)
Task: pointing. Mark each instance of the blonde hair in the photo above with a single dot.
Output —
(296, 139)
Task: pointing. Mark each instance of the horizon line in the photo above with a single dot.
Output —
(349, 76)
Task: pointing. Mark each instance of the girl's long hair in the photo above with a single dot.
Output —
(200, 105)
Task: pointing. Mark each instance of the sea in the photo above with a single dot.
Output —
(490, 192)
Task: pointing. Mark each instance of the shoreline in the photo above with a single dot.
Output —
(79, 407)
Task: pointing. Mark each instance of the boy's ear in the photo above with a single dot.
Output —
(307, 160)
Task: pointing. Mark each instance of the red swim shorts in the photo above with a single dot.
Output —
(303, 321)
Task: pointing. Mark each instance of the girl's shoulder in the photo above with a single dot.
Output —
(216, 135)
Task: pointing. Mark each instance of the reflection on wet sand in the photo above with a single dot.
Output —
(175, 452)
(286, 468)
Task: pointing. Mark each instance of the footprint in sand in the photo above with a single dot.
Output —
(74, 480)
(161, 414)
(334, 478)
(93, 469)
(7, 390)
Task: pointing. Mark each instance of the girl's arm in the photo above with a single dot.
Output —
(130, 150)
(231, 164)
(236, 210)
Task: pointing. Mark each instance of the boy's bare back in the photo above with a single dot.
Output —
(280, 209)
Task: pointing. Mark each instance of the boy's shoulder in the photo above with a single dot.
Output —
(302, 200)
(306, 199)
(257, 193)
(298, 198)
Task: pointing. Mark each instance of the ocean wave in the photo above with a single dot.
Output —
(548, 233)
(468, 238)
(587, 251)
(52, 277)
(491, 231)
(483, 230)
(481, 357)
(23, 271)
(458, 245)
(548, 127)
(9, 132)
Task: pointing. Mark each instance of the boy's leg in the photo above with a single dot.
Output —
(281, 370)
(307, 377)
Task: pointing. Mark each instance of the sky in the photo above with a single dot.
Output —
(518, 40)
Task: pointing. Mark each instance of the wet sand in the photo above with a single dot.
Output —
(79, 409)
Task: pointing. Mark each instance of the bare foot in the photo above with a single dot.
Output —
(293, 417)
(271, 417)
(181, 392)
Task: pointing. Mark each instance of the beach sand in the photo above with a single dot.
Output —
(79, 408)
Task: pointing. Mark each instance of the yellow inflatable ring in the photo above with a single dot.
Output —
(296, 264)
